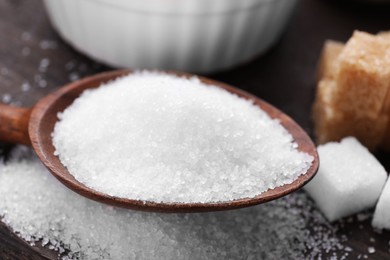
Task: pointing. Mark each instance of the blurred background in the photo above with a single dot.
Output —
(268, 48)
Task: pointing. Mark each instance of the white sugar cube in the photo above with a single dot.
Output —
(350, 179)
(382, 212)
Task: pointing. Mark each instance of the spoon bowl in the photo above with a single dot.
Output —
(42, 118)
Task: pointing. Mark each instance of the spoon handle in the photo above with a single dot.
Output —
(14, 124)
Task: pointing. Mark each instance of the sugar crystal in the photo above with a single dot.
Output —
(42, 83)
(44, 63)
(6, 98)
(74, 76)
(25, 86)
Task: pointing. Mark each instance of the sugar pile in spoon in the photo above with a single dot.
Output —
(157, 137)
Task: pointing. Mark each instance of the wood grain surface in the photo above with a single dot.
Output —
(284, 77)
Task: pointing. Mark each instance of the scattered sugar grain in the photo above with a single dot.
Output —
(26, 36)
(349, 179)
(156, 137)
(41, 210)
(74, 76)
(371, 249)
(363, 216)
(348, 249)
(48, 44)
(44, 63)
(25, 86)
(6, 98)
(42, 83)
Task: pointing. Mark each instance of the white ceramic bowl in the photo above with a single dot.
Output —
(187, 35)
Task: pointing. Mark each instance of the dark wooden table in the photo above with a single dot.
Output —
(284, 77)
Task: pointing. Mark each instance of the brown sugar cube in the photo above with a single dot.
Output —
(386, 111)
(329, 124)
(333, 125)
(386, 141)
(324, 94)
(369, 131)
(328, 60)
(363, 75)
(385, 35)
(325, 118)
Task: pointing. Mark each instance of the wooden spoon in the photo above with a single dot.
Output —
(34, 127)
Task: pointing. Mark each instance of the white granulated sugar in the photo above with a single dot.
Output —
(156, 137)
(44, 64)
(42, 83)
(74, 76)
(349, 179)
(6, 98)
(25, 86)
(48, 44)
(382, 211)
(41, 210)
